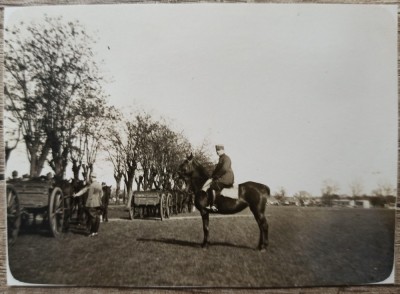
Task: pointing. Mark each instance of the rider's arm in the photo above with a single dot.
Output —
(81, 192)
(222, 167)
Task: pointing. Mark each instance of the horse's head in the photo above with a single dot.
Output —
(107, 190)
(186, 168)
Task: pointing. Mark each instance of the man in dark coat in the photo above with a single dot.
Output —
(222, 177)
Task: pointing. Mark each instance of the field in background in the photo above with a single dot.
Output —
(308, 247)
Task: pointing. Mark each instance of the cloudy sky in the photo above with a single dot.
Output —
(298, 94)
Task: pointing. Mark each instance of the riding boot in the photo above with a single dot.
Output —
(212, 202)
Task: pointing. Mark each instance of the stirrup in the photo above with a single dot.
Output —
(213, 208)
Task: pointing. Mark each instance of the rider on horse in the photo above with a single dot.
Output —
(222, 177)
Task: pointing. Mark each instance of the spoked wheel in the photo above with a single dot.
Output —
(132, 211)
(169, 207)
(13, 215)
(57, 212)
(174, 209)
(163, 204)
(141, 212)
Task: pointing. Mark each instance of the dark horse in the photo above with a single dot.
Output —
(251, 194)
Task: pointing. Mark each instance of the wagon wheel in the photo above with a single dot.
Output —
(141, 212)
(169, 206)
(57, 212)
(67, 199)
(163, 203)
(13, 215)
(132, 210)
(175, 200)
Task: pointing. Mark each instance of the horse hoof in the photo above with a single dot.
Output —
(262, 248)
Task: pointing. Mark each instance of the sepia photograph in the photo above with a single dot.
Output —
(201, 145)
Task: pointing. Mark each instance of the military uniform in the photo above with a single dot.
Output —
(222, 177)
(223, 174)
(93, 205)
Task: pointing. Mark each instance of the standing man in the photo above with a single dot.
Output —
(93, 204)
(222, 177)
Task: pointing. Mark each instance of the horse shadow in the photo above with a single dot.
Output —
(192, 244)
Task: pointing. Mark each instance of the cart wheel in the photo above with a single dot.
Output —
(175, 203)
(132, 212)
(162, 206)
(57, 208)
(141, 212)
(13, 215)
(169, 207)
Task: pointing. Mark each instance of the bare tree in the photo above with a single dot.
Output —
(95, 117)
(329, 192)
(146, 135)
(330, 187)
(280, 194)
(356, 188)
(12, 135)
(384, 189)
(303, 197)
(45, 72)
(131, 158)
(116, 155)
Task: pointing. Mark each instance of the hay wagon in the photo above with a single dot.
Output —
(37, 197)
(151, 204)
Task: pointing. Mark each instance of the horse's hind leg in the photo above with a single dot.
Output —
(263, 225)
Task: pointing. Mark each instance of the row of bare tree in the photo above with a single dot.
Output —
(148, 152)
(56, 104)
(331, 188)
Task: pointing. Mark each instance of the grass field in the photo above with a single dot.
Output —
(308, 247)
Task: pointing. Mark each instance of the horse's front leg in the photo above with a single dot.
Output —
(205, 218)
(263, 224)
(263, 227)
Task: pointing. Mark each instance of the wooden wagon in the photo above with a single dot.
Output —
(13, 214)
(151, 204)
(37, 197)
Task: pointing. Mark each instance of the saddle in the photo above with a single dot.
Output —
(231, 192)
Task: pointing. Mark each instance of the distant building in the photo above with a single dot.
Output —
(351, 203)
(343, 203)
(362, 203)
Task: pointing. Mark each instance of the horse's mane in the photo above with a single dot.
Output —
(203, 171)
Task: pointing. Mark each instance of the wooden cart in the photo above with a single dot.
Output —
(13, 214)
(37, 197)
(151, 204)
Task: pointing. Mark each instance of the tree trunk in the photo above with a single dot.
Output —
(75, 169)
(34, 170)
(37, 160)
(118, 179)
(59, 166)
(129, 183)
(145, 178)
